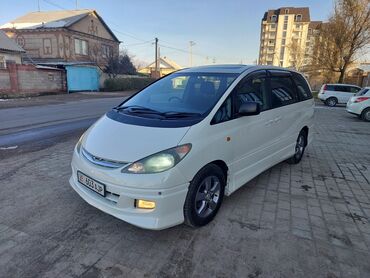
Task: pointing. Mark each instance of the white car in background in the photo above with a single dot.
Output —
(332, 94)
(360, 104)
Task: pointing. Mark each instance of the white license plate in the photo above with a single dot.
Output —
(91, 183)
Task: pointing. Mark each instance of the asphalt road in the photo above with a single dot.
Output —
(26, 124)
(306, 220)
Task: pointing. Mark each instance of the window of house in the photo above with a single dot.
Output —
(81, 47)
(2, 62)
(107, 51)
(273, 26)
(283, 41)
(298, 17)
(286, 17)
(285, 26)
(47, 46)
(286, 11)
(273, 18)
(284, 34)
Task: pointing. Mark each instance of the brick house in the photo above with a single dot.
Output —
(10, 52)
(57, 37)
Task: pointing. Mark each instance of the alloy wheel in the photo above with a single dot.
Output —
(299, 148)
(367, 116)
(208, 196)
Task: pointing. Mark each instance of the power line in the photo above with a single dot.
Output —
(118, 31)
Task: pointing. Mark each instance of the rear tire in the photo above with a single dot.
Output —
(205, 195)
(299, 148)
(332, 101)
(365, 115)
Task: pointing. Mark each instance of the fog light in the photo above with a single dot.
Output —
(144, 204)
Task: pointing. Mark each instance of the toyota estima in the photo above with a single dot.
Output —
(171, 152)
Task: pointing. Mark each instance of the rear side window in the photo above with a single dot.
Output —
(329, 88)
(282, 91)
(346, 89)
(303, 89)
(354, 89)
(363, 92)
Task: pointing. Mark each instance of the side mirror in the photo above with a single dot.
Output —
(249, 108)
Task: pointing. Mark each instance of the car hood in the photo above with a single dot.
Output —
(118, 141)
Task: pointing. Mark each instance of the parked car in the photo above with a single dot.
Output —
(360, 104)
(171, 152)
(332, 94)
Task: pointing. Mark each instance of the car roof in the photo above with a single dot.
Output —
(230, 68)
(339, 84)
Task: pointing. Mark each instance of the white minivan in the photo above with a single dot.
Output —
(170, 153)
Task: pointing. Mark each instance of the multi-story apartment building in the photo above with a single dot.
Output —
(286, 37)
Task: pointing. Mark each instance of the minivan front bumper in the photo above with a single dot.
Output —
(120, 199)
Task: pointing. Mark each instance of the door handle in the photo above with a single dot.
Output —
(269, 122)
(276, 120)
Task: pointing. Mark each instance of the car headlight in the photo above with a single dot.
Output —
(158, 162)
(78, 145)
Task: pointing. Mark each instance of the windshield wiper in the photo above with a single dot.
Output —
(173, 114)
(137, 109)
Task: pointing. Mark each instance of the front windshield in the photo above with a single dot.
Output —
(362, 92)
(186, 93)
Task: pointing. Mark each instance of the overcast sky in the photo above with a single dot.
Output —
(225, 30)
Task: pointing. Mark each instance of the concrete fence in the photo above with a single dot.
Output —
(31, 80)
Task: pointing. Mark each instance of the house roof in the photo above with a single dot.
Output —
(7, 44)
(52, 19)
(315, 24)
(165, 63)
(304, 11)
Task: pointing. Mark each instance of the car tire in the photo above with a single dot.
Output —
(332, 101)
(365, 115)
(205, 195)
(299, 148)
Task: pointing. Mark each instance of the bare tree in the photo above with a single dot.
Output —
(343, 37)
(297, 54)
(119, 64)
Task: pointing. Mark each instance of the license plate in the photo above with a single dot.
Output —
(91, 183)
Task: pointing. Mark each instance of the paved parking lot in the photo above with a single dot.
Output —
(306, 220)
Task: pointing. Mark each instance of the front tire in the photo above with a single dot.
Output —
(205, 195)
(365, 115)
(299, 148)
(332, 101)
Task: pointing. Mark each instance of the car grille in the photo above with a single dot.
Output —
(101, 161)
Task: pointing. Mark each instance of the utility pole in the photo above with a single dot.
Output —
(156, 58)
(191, 44)
(76, 4)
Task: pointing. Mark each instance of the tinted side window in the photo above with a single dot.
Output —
(330, 88)
(224, 113)
(345, 89)
(354, 89)
(282, 91)
(252, 88)
(303, 89)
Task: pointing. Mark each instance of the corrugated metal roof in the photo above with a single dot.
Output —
(47, 19)
(8, 44)
(52, 19)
